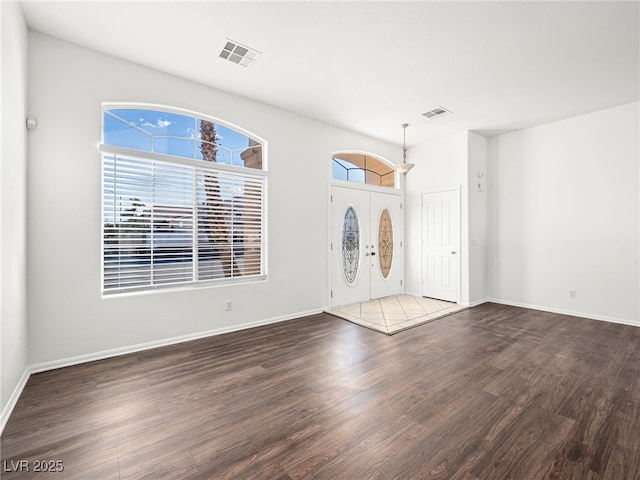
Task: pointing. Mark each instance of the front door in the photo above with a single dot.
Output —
(440, 241)
(386, 244)
(366, 240)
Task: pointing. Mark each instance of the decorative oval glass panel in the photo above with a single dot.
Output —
(385, 242)
(350, 245)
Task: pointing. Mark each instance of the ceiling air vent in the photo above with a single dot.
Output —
(436, 112)
(240, 54)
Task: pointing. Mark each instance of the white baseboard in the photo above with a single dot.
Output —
(13, 399)
(475, 303)
(571, 313)
(91, 357)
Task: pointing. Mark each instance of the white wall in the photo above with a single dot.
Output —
(564, 216)
(478, 211)
(67, 316)
(441, 162)
(13, 183)
(451, 161)
(493, 226)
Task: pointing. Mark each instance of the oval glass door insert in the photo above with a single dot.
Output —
(350, 245)
(385, 242)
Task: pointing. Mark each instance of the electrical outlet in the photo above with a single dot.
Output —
(572, 294)
(229, 306)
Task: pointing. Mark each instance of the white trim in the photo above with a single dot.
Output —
(560, 311)
(477, 302)
(182, 286)
(330, 244)
(442, 189)
(470, 304)
(171, 159)
(366, 187)
(91, 357)
(13, 399)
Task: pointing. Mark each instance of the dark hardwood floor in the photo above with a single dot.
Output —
(493, 392)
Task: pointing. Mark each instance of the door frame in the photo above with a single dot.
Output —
(458, 191)
(367, 188)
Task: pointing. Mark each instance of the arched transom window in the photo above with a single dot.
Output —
(362, 168)
(183, 198)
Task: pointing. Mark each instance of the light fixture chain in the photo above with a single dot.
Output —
(404, 142)
(404, 167)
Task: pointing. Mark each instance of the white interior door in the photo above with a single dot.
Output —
(440, 244)
(366, 239)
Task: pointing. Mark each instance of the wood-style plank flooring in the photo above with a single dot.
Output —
(492, 392)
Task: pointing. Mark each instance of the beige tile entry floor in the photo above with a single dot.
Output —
(392, 314)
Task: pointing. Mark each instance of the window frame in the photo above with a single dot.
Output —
(199, 166)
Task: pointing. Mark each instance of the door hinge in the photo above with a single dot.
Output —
(400, 205)
(400, 243)
(331, 293)
(400, 282)
(331, 245)
(331, 198)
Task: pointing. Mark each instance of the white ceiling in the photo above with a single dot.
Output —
(371, 66)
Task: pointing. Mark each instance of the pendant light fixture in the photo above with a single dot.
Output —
(404, 167)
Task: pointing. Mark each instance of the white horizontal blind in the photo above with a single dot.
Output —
(167, 224)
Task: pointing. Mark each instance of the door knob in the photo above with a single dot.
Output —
(373, 253)
(453, 253)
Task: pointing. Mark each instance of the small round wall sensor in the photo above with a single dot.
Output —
(32, 123)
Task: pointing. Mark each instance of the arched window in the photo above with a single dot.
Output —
(183, 199)
(362, 168)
